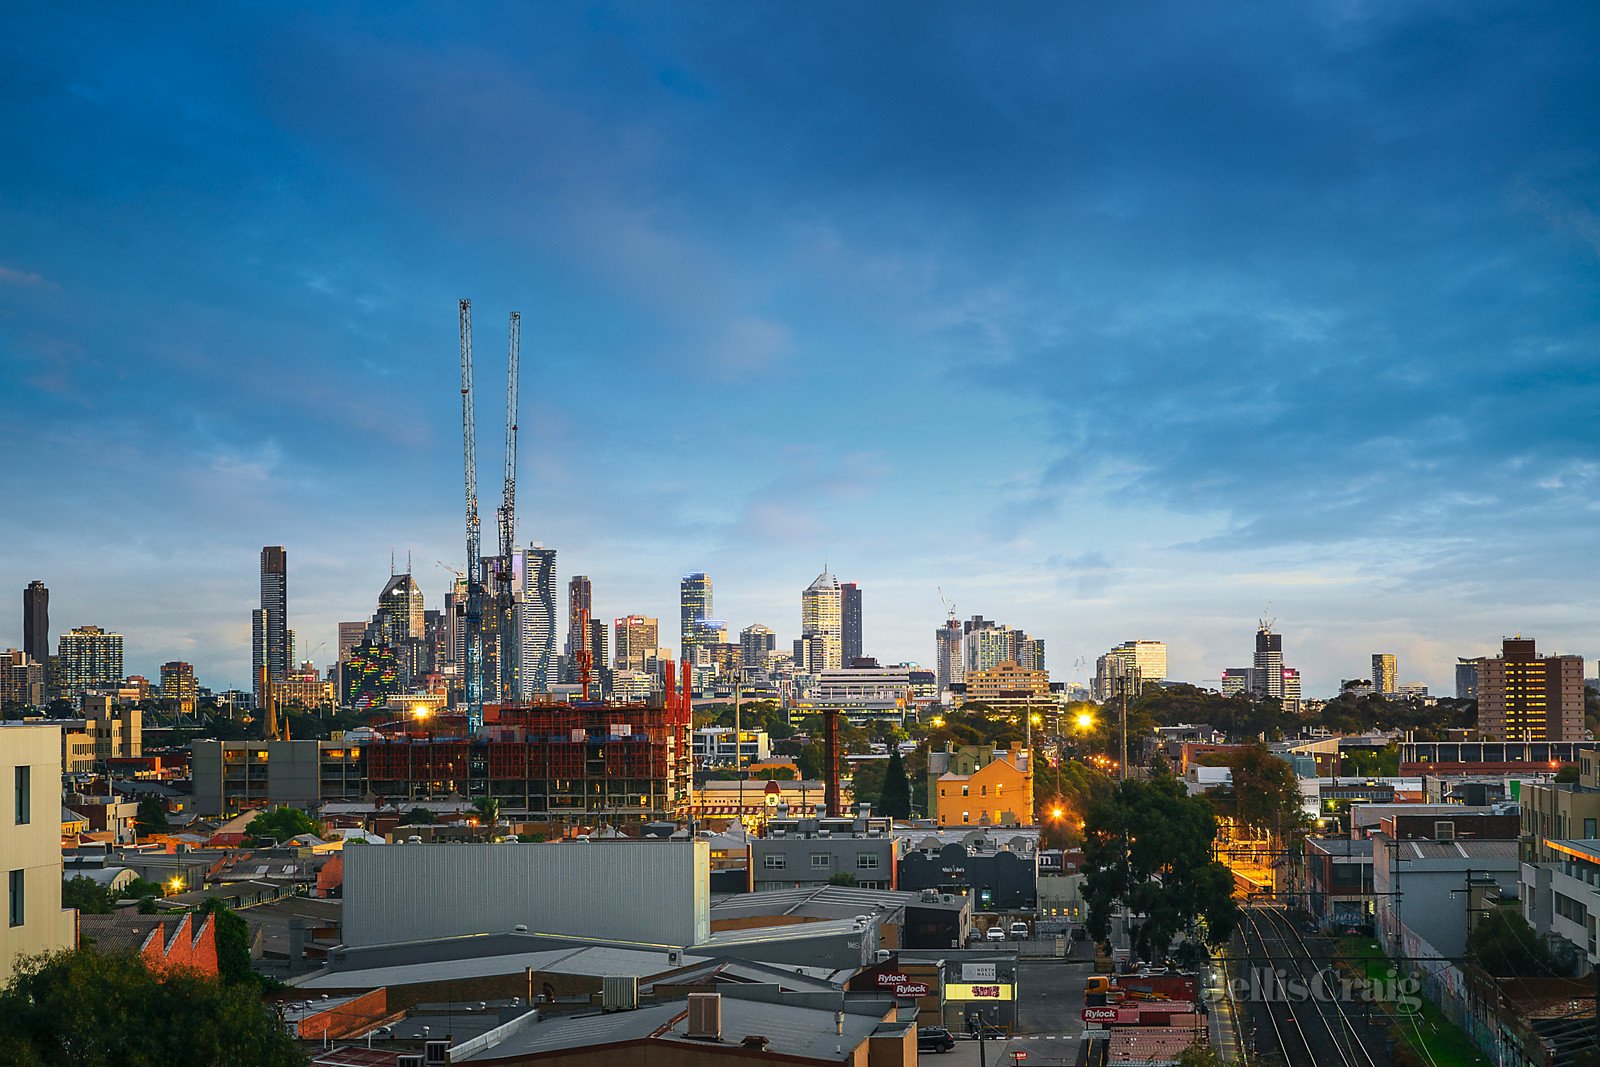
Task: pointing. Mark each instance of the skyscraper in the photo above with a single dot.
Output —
(821, 625)
(270, 628)
(580, 606)
(36, 622)
(635, 642)
(949, 665)
(756, 645)
(400, 616)
(537, 615)
(351, 634)
(1385, 675)
(1522, 697)
(849, 622)
(178, 685)
(1268, 663)
(1467, 678)
(90, 658)
(694, 605)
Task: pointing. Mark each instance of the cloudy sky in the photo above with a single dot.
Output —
(1111, 321)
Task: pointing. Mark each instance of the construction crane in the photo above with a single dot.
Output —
(474, 613)
(949, 608)
(505, 606)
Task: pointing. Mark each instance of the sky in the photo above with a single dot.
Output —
(1106, 321)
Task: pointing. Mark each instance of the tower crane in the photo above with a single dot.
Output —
(949, 608)
(505, 606)
(469, 448)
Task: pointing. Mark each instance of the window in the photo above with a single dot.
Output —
(16, 898)
(966, 790)
(966, 816)
(820, 859)
(983, 790)
(866, 861)
(24, 795)
(774, 863)
(1588, 830)
(998, 788)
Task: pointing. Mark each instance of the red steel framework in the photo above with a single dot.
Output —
(594, 759)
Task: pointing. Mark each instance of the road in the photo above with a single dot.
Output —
(1049, 1019)
(1310, 1030)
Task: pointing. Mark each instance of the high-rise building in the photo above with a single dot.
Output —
(635, 642)
(704, 635)
(1467, 678)
(949, 665)
(537, 615)
(988, 646)
(1385, 674)
(1268, 662)
(849, 622)
(1523, 697)
(580, 606)
(1267, 677)
(756, 645)
(36, 622)
(178, 685)
(401, 615)
(21, 679)
(270, 627)
(1030, 653)
(694, 604)
(351, 634)
(89, 658)
(598, 655)
(821, 625)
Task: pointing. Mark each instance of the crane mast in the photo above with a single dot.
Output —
(505, 605)
(474, 613)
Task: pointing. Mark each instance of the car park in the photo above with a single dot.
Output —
(995, 933)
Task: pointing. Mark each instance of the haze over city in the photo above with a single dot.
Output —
(1110, 324)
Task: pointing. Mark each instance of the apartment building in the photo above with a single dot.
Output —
(30, 844)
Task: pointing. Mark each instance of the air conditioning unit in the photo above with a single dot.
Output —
(705, 1017)
(674, 957)
(619, 992)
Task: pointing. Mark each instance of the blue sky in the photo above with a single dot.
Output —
(1111, 321)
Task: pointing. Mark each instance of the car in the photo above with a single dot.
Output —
(934, 1039)
(1019, 931)
(995, 933)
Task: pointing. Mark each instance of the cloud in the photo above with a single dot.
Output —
(12, 276)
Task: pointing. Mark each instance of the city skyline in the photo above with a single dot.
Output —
(1311, 337)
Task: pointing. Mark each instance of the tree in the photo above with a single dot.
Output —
(894, 797)
(1147, 844)
(281, 824)
(1503, 944)
(233, 941)
(152, 816)
(87, 1009)
(488, 809)
(1265, 790)
(418, 817)
(842, 878)
(1198, 1055)
(87, 895)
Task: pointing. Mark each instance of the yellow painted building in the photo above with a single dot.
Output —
(998, 793)
(1006, 685)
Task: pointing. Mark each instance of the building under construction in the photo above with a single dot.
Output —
(578, 762)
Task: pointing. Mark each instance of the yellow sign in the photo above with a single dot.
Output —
(977, 991)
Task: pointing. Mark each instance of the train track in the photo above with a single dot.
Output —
(1316, 1031)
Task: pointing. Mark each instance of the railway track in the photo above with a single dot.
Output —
(1311, 1030)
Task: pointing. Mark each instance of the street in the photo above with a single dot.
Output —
(1049, 1019)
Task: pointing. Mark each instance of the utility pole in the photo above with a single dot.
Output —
(1126, 678)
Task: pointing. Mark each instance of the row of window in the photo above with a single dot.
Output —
(865, 861)
(983, 790)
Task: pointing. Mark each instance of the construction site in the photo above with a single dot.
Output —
(577, 760)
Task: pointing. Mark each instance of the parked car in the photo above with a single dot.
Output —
(995, 933)
(934, 1039)
(1019, 931)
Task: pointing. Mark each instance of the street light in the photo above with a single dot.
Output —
(1085, 720)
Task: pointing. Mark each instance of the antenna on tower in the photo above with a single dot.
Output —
(391, 561)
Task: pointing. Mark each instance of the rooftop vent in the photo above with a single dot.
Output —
(756, 1042)
(705, 1017)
